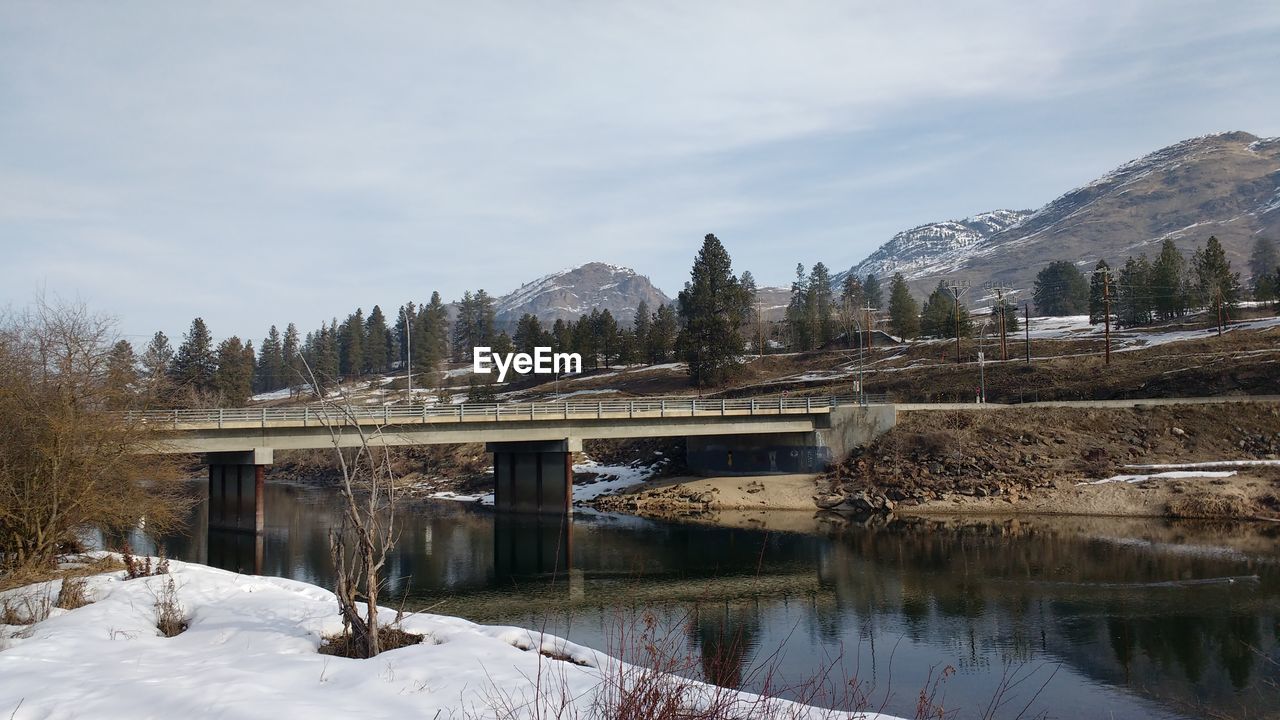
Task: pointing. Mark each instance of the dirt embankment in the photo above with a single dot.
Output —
(1024, 461)
(1034, 459)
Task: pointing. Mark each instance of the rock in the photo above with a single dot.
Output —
(860, 502)
(1178, 431)
(827, 502)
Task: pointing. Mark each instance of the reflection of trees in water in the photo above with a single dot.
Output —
(725, 634)
(984, 594)
(1017, 590)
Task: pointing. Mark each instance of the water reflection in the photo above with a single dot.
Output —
(1117, 607)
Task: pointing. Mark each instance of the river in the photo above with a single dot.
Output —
(1062, 617)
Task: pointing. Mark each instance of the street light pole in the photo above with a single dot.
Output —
(408, 344)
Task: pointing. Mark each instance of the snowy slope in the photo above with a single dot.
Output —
(923, 250)
(1225, 184)
(573, 292)
(251, 652)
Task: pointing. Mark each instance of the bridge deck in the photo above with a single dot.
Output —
(419, 414)
(240, 429)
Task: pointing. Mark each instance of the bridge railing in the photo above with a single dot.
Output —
(467, 412)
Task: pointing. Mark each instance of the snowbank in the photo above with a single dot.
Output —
(1172, 475)
(251, 652)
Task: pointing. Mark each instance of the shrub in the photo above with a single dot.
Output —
(171, 619)
(73, 594)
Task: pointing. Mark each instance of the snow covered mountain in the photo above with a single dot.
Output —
(573, 292)
(1226, 185)
(924, 250)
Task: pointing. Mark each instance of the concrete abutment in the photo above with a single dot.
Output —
(841, 431)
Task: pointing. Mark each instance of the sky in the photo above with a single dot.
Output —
(260, 163)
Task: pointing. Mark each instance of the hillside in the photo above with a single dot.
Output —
(567, 294)
(1226, 185)
(929, 249)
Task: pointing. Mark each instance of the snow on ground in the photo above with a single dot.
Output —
(1209, 464)
(250, 651)
(578, 393)
(612, 478)
(1077, 326)
(1171, 475)
(281, 394)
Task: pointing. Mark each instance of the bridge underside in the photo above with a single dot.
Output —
(532, 459)
(533, 477)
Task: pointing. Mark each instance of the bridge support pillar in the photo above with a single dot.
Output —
(533, 477)
(236, 489)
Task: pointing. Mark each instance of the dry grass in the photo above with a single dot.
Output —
(1205, 505)
(73, 594)
(389, 638)
(26, 609)
(171, 617)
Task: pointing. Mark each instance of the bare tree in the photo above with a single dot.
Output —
(68, 459)
(359, 547)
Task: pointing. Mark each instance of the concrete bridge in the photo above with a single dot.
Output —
(532, 443)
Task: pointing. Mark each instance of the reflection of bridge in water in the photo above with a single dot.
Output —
(976, 594)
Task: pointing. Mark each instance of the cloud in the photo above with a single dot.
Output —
(310, 157)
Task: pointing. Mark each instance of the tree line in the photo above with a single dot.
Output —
(1142, 292)
(715, 320)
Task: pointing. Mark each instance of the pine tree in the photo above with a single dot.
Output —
(194, 363)
(628, 348)
(1134, 306)
(662, 334)
(641, 323)
(711, 312)
(436, 339)
(1060, 290)
(1097, 298)
(586, 341)
(904, 312)
(351, 345)
(874, 293)
(751, 317)
(799, 321)
(377, 337)
(122, 375)
(1264, 261)
(292, 363)
(407, 314)
(852, 300)
(232, 378)
(269, 370)
(1168, 284)
(562, 336)
(156, 360)
(327, 368)
(607, 337)
(822, 305)
(529, 333)
(939, 317)
(1215, 283)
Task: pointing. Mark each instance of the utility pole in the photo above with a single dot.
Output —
(1000, 290)
(408, 346)
(957, 289)
(1106, 309)
(867, 310)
